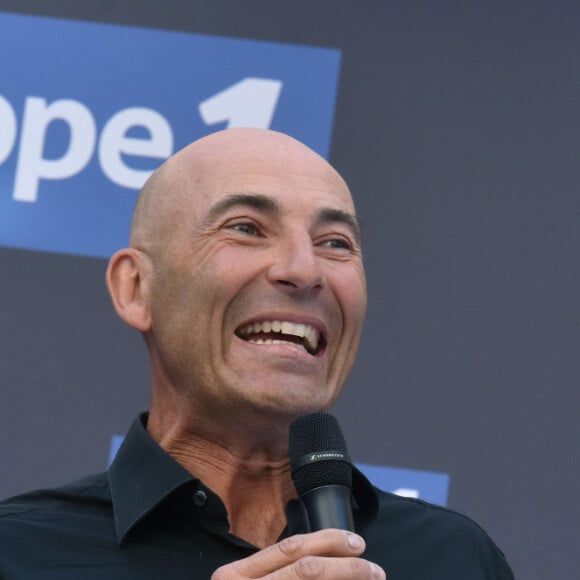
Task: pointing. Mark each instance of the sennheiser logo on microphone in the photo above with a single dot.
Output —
(326, 455)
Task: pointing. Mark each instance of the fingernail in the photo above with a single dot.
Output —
(376, 571)
(354, 541)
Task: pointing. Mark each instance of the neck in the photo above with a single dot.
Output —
(249, 470)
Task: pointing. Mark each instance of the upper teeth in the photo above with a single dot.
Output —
(305, 331)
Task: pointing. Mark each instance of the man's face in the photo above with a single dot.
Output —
(259, 295)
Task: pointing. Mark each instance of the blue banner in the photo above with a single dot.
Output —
(429, 486)
(88, 111)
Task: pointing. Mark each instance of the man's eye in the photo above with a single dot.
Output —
(338, 243)
(246, 228)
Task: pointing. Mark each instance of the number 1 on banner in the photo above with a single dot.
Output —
(249, 103)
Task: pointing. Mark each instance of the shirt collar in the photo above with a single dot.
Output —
(142, 475)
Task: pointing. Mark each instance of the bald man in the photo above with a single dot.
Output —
(244, 276)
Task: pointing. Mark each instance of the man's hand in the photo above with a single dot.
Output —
(331, 554)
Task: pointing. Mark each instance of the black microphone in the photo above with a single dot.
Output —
(322, 471)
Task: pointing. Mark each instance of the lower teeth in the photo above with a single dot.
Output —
(276, 341)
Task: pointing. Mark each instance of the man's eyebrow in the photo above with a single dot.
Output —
(256, 201)
(331, 215)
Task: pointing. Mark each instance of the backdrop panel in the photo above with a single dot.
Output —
(456, 126)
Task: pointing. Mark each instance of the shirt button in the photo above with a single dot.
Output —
(199, 498)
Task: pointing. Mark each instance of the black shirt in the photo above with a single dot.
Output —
(147, 517)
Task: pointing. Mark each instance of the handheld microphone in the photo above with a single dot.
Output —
(322, 471)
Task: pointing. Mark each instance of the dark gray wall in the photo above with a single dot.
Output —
(457, 128)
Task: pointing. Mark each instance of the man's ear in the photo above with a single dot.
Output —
(128, 279)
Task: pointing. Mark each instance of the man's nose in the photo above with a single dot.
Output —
(295, 265)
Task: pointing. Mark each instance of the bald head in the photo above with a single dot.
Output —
(188, 176)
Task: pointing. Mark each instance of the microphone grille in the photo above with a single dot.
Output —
(318, 435)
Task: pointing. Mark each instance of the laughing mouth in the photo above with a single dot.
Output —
(283, 332)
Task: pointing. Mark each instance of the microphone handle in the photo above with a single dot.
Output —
(329, 506)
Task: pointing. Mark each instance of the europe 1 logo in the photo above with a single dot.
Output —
(248, 103)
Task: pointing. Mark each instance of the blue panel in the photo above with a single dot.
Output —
(426, 485)
(62, 81)
(116, 441)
